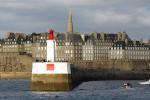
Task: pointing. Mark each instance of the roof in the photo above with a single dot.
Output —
(69, 37)
(124, 44)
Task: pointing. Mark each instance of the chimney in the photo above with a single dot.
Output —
(126, 41)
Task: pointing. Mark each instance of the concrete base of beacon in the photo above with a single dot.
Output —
(56, 77)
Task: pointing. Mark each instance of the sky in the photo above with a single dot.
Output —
(131, 16)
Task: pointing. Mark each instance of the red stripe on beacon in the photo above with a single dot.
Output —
(51, 34)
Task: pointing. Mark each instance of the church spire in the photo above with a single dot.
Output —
(70, 23)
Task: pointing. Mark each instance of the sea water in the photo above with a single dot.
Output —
(92, 90)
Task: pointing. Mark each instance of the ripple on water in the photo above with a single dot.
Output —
(94, 90)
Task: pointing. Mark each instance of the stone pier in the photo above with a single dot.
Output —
(51, 76)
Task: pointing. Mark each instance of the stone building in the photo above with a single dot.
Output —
(28, 46)
(97, 45)
(134, 50)
(13, 43)
(39, 50)
(78, 46)
(68, 47)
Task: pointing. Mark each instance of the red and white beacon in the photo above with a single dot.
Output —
(51, 45)
(51, 75)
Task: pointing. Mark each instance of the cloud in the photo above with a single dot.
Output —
(89, 15)
(145, 21)
(112, 17)
(80, 2)
(143, 16)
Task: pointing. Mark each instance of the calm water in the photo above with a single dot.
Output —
(94, 90)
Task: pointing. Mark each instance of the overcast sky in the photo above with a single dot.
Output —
(132, 16)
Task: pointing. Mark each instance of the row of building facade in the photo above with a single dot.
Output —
(78, 46)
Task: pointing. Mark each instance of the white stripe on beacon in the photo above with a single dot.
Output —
(51, 44)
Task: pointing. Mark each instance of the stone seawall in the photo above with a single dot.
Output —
(111, 69)
(15, 66)
(15, 75)
(14, 62)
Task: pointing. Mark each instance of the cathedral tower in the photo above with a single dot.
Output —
(70, 23)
